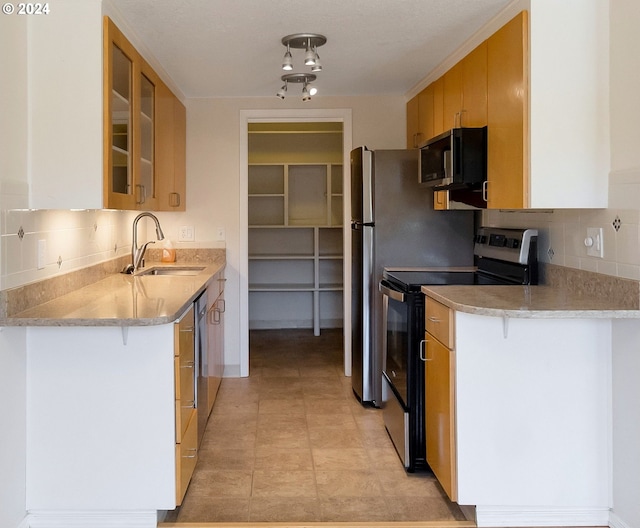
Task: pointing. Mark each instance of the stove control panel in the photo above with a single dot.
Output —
(511, 245)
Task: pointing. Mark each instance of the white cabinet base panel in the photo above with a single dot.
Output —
(83, 519)
(499, 516)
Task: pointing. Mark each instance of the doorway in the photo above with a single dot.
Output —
(259, 121)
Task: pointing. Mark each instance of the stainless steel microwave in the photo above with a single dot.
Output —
(456, 159)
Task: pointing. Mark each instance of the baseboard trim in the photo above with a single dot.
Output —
(617, 522)
(84, 519)
(497, 516)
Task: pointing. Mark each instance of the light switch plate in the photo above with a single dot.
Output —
(186, 234)
(594, 242)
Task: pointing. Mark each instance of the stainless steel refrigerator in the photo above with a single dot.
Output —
(393, 224)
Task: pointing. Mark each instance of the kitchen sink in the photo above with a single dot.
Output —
(191, 270)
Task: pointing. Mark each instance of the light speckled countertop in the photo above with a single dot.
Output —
(122, 300)
(529, 302)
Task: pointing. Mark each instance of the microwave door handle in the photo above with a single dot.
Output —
(456, 158)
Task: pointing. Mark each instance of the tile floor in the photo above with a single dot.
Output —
(290, 443)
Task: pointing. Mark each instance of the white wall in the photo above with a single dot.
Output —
(213, 168)
(13, 193)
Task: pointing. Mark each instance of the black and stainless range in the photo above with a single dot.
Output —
(503, 256)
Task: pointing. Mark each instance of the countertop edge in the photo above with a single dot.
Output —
(525, 312)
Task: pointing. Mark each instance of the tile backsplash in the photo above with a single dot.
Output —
(77, 239)
(36, 245)
(563, 231)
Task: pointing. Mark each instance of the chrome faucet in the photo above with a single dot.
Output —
(137, 253)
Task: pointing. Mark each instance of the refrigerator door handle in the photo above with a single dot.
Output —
(392, 294)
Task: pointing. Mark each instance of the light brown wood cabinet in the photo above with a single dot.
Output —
(458, 98)
(508, 139)
(171, 151)
(185, 401)
(440, 428)
(144, 132)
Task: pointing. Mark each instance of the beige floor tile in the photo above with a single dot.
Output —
(420, 508)
(195, 509)
(283, 439)
(280, 372)
(286, 509)
(354, 509)
(335, 437)
(340, 458)
(222, 458)
(319, 421)
(208, 483)
(283, 483)
(292, 444)
(285, 422)
(283, 459)
(406, 484)
(347, 483)
(280, 406)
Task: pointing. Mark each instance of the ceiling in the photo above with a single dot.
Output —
(232, 48)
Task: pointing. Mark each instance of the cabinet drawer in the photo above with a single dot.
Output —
(186, 457)
(439, 321)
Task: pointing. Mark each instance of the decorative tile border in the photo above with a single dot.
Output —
(22, 298)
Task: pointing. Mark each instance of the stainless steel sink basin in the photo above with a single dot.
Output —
(190, 270)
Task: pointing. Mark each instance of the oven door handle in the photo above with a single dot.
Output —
(388, 290)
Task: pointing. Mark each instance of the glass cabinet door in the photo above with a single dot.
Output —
(121, 122)
(146, 184)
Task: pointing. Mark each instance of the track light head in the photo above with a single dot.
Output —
(287, 62)
(283, 91)
(316, 65)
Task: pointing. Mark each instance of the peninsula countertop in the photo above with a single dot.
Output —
(532, 302)
(122, 300)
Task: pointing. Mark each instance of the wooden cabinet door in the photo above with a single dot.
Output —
(171, 151)
(508, 103)
(474, 87)
(440, 413)
(452, 102)
(413, 126)
(426, 114)
(438, 106)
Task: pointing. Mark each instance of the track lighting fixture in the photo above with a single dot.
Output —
(303, 78)
(310, 42)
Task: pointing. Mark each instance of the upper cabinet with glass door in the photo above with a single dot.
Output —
(138, 132)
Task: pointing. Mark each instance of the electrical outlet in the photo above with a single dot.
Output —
(594, 242)
(220, 233)
(186, 234)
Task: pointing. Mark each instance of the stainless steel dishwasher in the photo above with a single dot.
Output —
(202, 389)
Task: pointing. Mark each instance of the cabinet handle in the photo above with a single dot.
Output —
(191, 450)
(191, 404)
(221, 305)
(142, 193)
(423, 350)
(188, 364)
(434, 319)
(485, 193)
(215, 317)
(174, 199)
